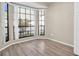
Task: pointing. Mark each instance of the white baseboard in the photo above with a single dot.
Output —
(34, 39)
(61, 42)
(23, 40)
(15, 43)
(5, 47)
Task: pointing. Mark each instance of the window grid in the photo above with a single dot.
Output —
(29, 15)
(41, 31)
(23, 31)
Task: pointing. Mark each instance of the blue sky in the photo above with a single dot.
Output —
(5, 7)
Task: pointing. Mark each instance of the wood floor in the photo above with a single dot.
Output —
(40, 47)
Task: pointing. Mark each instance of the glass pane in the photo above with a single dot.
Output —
(24, 29)
(27, 10)
(42, 12)
(28, 17)
(39, 12)
(32, 11)
(22, 34)
(5, 21)
(27, 23)
(5, 7)
(18, 10)
(6, 35)
(5, 15)
(5, 24)
(32, 28)
(42, 17)
(18, 16)
(27, 28)
(22, 16)
(20, 29)
(42, 23)
(42, 28)
(32, 32)
(41, 32)
(22, 22)
(27, 33)
(32, 23)
(32, 17)
(5, 30)
(22, 10)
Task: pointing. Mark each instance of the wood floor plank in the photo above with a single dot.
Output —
(39, 47)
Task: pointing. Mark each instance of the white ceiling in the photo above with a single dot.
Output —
(35, 4)
(45, 3)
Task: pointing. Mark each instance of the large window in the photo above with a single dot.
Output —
(41, 22)
(5, 8)
(28, 18)
(26, 22)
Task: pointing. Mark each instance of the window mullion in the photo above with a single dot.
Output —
(30, 21)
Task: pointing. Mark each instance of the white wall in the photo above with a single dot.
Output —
(76, 28)
(1, 26)
(60, 24)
